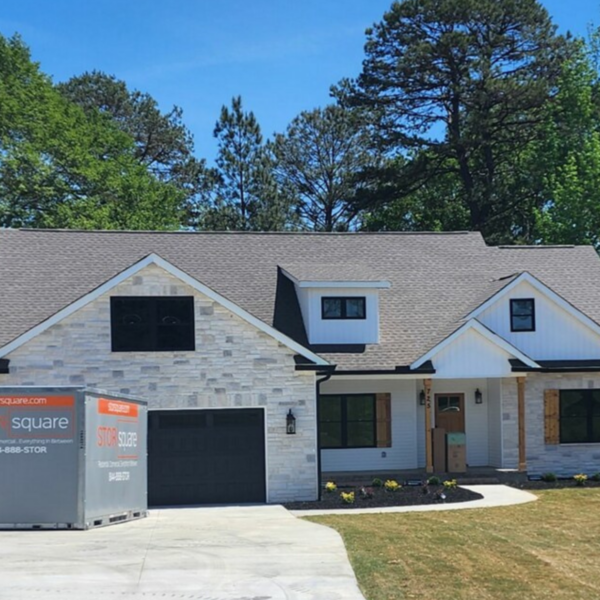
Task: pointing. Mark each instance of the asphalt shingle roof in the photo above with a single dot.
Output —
(436, 278)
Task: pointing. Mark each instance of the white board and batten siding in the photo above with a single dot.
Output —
(403, 452)
(339, 331)
(471, 355)
(557, 336)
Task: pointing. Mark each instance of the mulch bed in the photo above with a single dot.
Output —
(552, 485)
(406, 496)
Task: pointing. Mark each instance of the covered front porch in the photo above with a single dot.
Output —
(406, 411)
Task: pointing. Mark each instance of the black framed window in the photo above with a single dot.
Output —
(579, 416)
(347, 421)
(152, 323)
(343, 307)
(522, 314)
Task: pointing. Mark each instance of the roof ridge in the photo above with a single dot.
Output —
(274, 233)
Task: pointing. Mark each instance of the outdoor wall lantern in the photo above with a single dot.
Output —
(290, 423)
(422, 397)
(478, 396)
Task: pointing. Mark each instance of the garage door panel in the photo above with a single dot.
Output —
(206, 456)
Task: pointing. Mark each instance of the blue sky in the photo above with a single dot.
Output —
(281, 56)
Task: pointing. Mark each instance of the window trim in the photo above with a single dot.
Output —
(589, 418)
(154, 300)
(344, 422)
(343, 316)
(512, 303)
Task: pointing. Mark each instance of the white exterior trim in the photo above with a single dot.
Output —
(383, 285)
(154, 259)
(486, 333)
(543, 289)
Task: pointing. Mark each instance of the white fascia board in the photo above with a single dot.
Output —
(543, 289)
(382, 285)
(154, 259)
(486, 333)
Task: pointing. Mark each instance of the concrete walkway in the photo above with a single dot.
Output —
(493, 495)
(205, 553)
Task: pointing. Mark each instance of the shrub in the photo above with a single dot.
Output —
(595, 477)
(434, 480)
(347, 497)
(450, 484)
(366, 492)
(392, 485)
(377, 482)
(330, 486)
(580, 479)
(549, 477)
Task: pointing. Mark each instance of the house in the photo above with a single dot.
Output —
(360, 343)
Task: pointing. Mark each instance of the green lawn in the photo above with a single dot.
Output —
(546, 550)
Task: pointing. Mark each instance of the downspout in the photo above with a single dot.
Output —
(319, 476)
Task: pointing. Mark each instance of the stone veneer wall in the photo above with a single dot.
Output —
(566, 459)
(234, 365)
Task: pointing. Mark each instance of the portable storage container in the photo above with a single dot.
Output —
(71, 458)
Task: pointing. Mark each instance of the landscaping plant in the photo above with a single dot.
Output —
(391, 485)
(330, 486)
(377, 482)
(549, 477)
(347, 497)
(450, 484)
(580, 479)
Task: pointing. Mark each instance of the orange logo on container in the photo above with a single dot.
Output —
(37, 401)
(117, 408)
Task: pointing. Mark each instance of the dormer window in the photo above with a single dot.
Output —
(343, 307)
(522, 314)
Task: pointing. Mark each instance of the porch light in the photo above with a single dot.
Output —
(478, 396)
(422, 397)
(290, 423)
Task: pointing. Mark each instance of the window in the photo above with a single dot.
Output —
(337, 307)
(579, 416)
(522, 314)
(152, 323)
(347, 421)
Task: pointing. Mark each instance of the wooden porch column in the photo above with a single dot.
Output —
(521, 406)
(428, 419)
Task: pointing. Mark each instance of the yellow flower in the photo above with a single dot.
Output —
(450, 484)
(330, 486)
(391, 485)
(347, 497)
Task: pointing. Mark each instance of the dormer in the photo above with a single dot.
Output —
(339, 304)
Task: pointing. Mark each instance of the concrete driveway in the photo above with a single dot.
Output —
(213, 553)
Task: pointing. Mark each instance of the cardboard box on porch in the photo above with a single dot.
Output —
(456, 450)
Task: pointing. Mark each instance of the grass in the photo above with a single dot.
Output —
(537, 551)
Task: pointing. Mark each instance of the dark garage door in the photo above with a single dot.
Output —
(206, 456)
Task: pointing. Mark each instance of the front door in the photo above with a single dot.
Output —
(450, 412)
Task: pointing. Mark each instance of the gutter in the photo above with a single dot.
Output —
(326, 377)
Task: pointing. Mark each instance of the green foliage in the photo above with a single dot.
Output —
(450, 484)
(60, 167)
(457, 89)
(434, 480)
(318, 159)
(580, 479)
(595, 477)
(376, 482)
(246, 195)
(549, 477)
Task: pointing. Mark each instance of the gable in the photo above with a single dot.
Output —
(560, 332)
(159, 289)
(472, 355)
